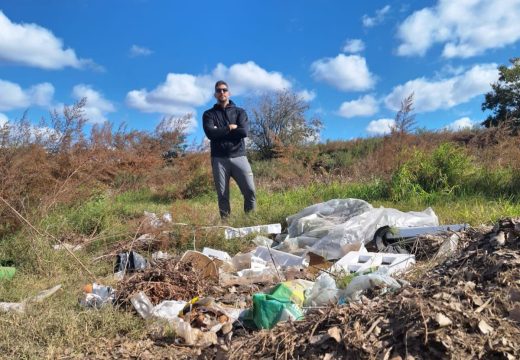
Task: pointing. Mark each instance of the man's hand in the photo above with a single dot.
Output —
(232, 126)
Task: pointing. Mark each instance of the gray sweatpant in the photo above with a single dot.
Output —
(239, 169)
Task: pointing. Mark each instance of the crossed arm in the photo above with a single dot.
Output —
(231, 132)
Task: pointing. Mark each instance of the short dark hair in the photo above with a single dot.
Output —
(220, 82)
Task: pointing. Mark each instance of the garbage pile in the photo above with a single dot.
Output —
(319, 290)
(467, 306)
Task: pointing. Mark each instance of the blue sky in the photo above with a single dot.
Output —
(139, 60)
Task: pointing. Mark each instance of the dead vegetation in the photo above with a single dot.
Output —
(165, 280)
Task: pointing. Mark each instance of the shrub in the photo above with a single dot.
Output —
(200, 183)
(443, 170)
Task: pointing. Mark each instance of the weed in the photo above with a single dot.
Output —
(444, 170)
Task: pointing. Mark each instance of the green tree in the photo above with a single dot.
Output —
(504, 99)
(278, 121)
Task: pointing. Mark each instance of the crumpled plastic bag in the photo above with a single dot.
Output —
(324, 292)
(97, 296)
(130, 261)
(328, 228)
(181, 328)
(360, 283)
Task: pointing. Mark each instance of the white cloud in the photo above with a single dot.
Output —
(178, 95)
(182, 93)
(353, 46)
(97, 107)
(465, 28)
(136, 50)
(347, 73)
(247, 77)
(431, 95)
(462, 123)
(369, 21)
(364, 106)
(33, 45)
(307, 95)
(380, 127)
(14, 97)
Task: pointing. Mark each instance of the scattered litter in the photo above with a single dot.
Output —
(12, 307)
(217, 254)
(279, 258)
(249, 276)
(481, 274)
(97, 296)
(260, 240)
(389, 239)
(196, 322)
(231, 233)
(317, 263)
(356, 261)
(130, 261)
(484, 327)
(443, 320)
(324, 292)
(208, 266)
(20, 307)
(67, 246)
(448, 247)
(160, 256)
(357, 306)
(268, 310)
(152, 220)
(7, 272)
(168, 309)
(361, 283)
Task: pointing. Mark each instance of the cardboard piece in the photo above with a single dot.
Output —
(208, 266)
(317, 263)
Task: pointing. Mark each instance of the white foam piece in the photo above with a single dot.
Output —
(219, 254)
(239, 232)
(279, 258)
(356, 261)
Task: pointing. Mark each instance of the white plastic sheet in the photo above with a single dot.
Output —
(279, 258)
(327, 228)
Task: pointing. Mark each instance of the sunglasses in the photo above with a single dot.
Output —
(223, 90)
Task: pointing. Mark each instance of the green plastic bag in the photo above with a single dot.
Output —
(7, 272)
(268, 310)
(293, 290)
(282, 304)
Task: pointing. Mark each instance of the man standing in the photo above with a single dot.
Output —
(226, 126)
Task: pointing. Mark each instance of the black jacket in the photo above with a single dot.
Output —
(225, 142)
